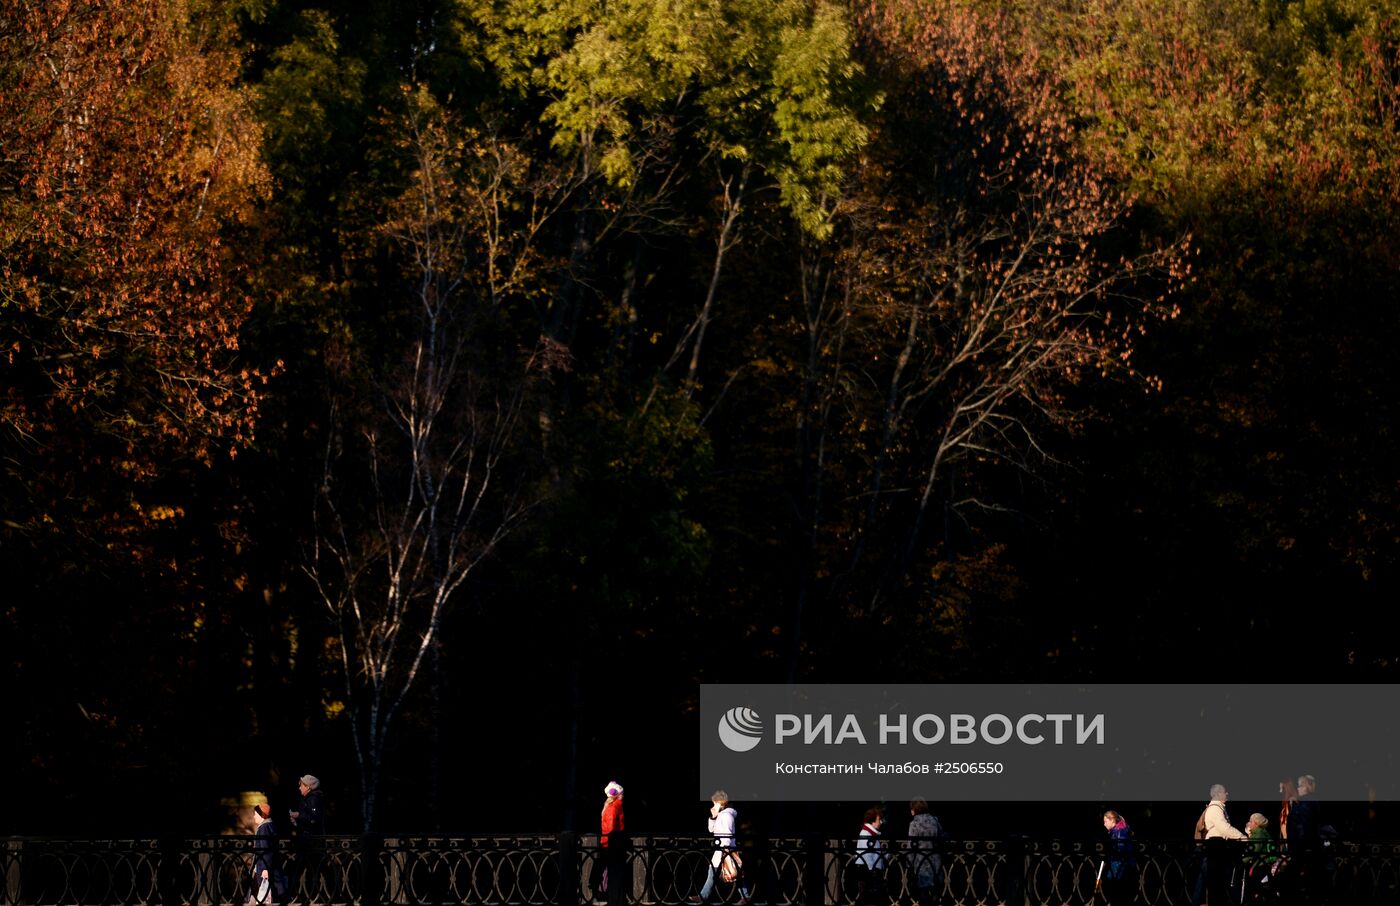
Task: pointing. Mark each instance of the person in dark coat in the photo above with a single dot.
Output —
(1120, 877)
(925, 836)
(310, 814)
(1305, 844)
(268, 884)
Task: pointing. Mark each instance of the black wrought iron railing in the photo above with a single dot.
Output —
(658, 870)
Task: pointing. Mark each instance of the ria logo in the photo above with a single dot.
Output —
(740, 729)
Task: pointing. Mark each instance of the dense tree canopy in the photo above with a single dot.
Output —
(376, 373)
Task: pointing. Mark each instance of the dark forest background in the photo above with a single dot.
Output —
(429, 395)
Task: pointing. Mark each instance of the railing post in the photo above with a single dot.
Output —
(641, 870)
(568, 894)
(206, 875)
(393, 875)
(588, 867)
(167, 871)
(1019, 850)
(371, 870)
(814, 872)
(14, 851)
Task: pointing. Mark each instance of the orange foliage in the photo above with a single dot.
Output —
(125, 153)
(996, 253)
(987, 269)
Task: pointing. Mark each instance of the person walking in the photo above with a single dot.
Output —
(1306, 846)
(869, 863)
(611, 824)
(267, 882)
(1221, 845)
(725, 859)
(310, 814)
(308, 827)
(925, 836)
(1120, 866)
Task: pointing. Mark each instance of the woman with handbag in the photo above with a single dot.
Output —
(726, 858)
(268, 883)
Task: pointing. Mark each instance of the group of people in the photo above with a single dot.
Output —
(727, 862)
(1235, 867)
(268, 882)
(1227, 876)
(924, 833)
(1258, 872)
(726, 859)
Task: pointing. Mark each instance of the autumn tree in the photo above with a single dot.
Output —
(128, 152)
(701, 126)
(985, 272)
(438, 435)
(735, 98)
(129, 176)
(1266, 130)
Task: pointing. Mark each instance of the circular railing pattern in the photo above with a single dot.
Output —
(559, 870)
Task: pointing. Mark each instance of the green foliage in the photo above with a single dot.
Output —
(815, 115)
(310, 102)
(768, 82)
(631, 66)
(520, 37)
(623, 532)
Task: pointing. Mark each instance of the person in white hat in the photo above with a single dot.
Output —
(611, 828)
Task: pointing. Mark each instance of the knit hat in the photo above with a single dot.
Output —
(311, 782)
(263, 809)
(612, 789)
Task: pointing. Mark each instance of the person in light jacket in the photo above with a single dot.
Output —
(869, 864)
(721, 826)
(1222, 846)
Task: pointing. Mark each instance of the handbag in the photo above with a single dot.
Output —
(260, 897)
(731, 866)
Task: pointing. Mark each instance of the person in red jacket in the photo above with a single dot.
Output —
(610, 831)
(612, 811)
